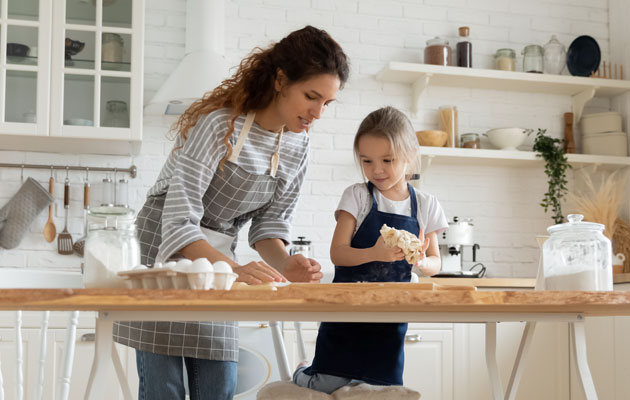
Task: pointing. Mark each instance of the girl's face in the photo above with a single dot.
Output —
(379, 165)
(300, 103)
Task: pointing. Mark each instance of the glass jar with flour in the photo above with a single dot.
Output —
(111, 246)
(577, 256)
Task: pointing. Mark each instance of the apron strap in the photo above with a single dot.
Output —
(242, 137)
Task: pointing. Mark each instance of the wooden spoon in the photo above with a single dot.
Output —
(49, 229)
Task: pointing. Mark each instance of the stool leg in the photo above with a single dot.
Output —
(519, 362)
(491, 360)
(300, 341)
(43, 336)
(281, 353)
(578, 349)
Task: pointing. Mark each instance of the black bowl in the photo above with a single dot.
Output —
(583, 56)
(73, 47)
(17, 50)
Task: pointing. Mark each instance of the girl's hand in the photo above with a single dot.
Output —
(382, 252)
(425, 246)
(257, 272)
(298, 268)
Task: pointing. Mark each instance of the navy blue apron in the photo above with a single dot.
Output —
(371, 352)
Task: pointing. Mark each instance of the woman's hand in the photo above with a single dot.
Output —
(383, 252)
(257, 272)
(298, 268)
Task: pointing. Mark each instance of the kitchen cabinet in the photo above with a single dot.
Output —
(83, 355)
(79, 83)
(428, 356)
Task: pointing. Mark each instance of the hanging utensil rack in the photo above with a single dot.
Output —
(132, 171)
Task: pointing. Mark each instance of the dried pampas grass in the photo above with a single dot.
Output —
(621, 242)
(600, 204)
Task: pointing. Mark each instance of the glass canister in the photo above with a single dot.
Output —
(112, 48)
(577, 256)
(116, 114)
(555, 56)
(301, 246)
(470, 141)
(437, 52)
(111, 246)
(533, 59)
(505, 60)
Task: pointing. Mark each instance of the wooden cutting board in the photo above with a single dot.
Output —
(376, 286)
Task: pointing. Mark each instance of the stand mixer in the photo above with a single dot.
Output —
(458, 235)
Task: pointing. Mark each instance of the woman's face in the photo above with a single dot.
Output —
(301, 103)
(379, 165)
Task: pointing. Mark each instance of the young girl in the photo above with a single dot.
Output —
(385, 146)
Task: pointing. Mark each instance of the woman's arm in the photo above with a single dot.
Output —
(342, 254)
(431, 263)
(295, 268)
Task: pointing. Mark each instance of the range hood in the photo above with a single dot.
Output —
(203, 66)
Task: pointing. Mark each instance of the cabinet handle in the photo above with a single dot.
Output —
(88, 337)
(415, 338)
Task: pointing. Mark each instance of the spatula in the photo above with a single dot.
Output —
(49, 228)
(64, 239)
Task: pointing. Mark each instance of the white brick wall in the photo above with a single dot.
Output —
(502, 201)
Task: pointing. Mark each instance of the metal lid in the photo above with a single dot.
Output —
(301, 241)
(469, 136)
(575, 223)
(437, 41)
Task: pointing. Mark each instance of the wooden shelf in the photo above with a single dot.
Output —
(489, 157)
(422, 75)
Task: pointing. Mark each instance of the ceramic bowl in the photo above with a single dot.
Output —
(507, 138)
(431, 138)
(17, 50)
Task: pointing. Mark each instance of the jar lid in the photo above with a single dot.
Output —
(437, 41)
(505, 52)
(301, 241)
(533, 48)
(469, 136)
(575, 223)
(111, 216)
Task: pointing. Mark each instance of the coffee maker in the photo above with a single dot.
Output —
(452, 243)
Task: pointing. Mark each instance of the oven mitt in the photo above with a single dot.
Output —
(18, 214)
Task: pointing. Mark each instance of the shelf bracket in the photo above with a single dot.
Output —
(418, 88)
(579, 100)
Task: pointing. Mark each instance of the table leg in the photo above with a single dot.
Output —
(105, 355)
(281, 353)
(578, 348)
(519, 362)
(491, 360)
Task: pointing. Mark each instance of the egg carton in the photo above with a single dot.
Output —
(167, 278)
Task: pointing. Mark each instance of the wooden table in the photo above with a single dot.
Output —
(363, 302)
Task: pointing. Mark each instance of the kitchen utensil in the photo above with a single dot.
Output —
(507, 138)
(17, 50)
(583, 56)
(431, 138)
(122, 193)
(600, 122)
(606, 144)
(569, 144)
(555, 56)
(108, 196)
(50, 231)
(301, 246)
(577, 256)
(80, 244)
(452, 242)
(64, 239)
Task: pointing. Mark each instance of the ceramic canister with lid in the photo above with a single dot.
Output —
(111, 246)
(577, 256)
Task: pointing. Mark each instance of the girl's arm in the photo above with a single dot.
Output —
(431, 263)
(342, 254)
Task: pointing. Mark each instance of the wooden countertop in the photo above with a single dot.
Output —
(526, 283)
(304, 298)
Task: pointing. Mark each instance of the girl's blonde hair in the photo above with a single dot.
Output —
(391, 124)
(301, 55)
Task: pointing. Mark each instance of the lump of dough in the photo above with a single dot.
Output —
(410, 244)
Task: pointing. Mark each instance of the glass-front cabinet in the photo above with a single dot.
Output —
(72, 68)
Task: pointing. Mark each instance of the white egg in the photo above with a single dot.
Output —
(200, 265)
(182, 265)
(158, 265)
(222, 266)
(137, 267)
(169, 264)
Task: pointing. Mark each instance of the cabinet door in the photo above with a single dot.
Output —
(97, 69)
(24, 66)
(429, 363)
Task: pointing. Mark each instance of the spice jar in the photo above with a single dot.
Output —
(533, 59)
(112, 48)
(111, 246)
(464, 48)
(470, 141)
(577, 256)
(437, 52)
(505, 60)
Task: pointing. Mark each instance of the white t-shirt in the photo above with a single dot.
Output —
(356, 200)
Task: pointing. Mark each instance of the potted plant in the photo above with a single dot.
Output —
(556, 164)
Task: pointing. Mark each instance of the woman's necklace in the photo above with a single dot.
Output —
(275, 158)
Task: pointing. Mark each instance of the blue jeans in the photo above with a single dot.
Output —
(162, 377)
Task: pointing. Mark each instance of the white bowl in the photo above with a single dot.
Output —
(507, 138)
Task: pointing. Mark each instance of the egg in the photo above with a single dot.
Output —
(199, 265)
(169, 264)
(158, 265)
(138, 267)
(200, 275)
(222, 266)
(182, 265)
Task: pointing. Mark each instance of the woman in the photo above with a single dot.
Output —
(240, 154)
